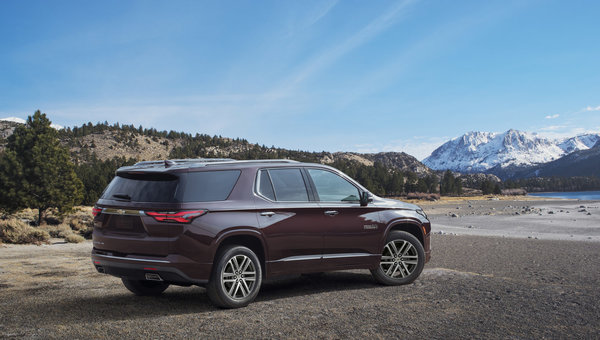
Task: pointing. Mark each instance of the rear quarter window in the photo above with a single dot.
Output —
(205, 186)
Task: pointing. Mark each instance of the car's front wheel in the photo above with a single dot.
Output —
(236, 278)
(402, 259)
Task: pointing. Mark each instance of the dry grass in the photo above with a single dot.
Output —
(57, 231)
(15, 231)
(74, 238)
(74, 227)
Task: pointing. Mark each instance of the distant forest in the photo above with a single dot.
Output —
(385, 181)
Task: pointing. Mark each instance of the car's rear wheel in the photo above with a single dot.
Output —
(236, 278)
(144, 287)
(402, 259)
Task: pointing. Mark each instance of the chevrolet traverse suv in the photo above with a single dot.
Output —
(227, 225)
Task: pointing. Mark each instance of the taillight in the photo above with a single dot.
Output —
(181, 217)
(96, 211)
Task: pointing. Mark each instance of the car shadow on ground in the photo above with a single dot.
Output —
(123, 305)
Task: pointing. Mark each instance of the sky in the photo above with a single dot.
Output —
(364, 76)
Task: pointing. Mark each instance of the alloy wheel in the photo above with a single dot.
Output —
(399, 259)
(238, 277)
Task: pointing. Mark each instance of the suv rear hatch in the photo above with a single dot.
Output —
(140, 212)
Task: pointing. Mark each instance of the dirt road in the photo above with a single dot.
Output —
(483, 287)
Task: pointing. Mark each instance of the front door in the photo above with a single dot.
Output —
(351, 232)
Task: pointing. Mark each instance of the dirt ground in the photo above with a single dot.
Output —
(474, 287)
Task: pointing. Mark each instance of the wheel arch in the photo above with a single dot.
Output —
(248, 238)
(408, 226)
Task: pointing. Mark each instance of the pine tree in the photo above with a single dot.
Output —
(36, 171)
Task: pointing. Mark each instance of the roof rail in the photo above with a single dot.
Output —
(209, 161)
(183, 161)
(254, 161)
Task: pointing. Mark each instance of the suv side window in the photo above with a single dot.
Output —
(264, 186)
(288, 185)
(333, 188)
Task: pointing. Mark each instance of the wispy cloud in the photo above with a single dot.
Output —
(368, 32)
(591, 108)
(282, 93)
(553, 127)
(552, 116)
(444, 37)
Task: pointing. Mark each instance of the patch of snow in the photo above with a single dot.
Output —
(23, 121)
(14, 119)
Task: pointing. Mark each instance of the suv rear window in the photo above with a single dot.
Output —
(142, 188)
(202, 186)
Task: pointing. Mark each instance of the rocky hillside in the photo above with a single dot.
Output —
(106, 142)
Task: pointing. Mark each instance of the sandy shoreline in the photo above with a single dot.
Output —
(547, 219)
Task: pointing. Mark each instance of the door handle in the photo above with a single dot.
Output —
(331, 212)
(267, 213)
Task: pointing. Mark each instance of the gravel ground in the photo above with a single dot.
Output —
(474, 287)
(536, 219)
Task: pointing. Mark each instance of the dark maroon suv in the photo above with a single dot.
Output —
(227, 225)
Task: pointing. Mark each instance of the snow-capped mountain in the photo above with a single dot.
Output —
(23, 121)
(484, 151)
(14, 120)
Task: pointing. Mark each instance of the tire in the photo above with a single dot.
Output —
(144, 287)
(402, 259)
(236, 278)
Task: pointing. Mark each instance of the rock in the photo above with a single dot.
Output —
(517, 213)
(550, 212)
(589, 213)
(454, 215)
(582, 206)
(582, 210)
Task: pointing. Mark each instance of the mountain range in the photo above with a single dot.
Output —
(510, 154)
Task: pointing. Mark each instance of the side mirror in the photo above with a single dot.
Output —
(365, 198)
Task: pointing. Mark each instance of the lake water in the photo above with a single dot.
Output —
(582, 195)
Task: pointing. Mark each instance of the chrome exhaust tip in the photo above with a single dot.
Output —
(153, 277)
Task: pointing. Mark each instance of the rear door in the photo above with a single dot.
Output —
(289, 217)
(351, 232)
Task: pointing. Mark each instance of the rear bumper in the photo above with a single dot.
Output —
(174, 269)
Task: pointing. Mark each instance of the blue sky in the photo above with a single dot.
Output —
(363, 76)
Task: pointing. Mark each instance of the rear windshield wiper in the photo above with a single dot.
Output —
(122, 196)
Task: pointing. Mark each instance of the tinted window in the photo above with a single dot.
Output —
(204, 186)
(264, 185)
(142, 188)
(288, 184)
(333, 188)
